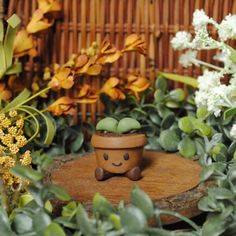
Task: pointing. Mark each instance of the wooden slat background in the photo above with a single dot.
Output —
(85, 21)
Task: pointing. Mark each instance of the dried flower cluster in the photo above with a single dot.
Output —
(12, 139)
(90, 62)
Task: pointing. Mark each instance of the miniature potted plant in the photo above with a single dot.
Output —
(118, 147)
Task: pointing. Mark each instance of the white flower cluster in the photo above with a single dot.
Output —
(212, 93)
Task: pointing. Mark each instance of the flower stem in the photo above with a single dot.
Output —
(203, 63)
(37, 94)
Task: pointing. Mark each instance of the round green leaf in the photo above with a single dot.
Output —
(185, 124)
(127, 124)
(133, 220)
(161, 84)
(107, 124)
(168, 121)
(187, 147)
(22, 224)
(177, 95)
(202, 112)
(169, 140)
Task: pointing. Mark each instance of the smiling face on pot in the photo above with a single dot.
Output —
(118, 160)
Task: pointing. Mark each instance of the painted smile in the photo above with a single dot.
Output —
(114, 164)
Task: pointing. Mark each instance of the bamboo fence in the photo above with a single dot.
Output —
(85, 21)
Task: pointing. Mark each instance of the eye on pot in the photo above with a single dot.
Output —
(126, 156)
(105, 156)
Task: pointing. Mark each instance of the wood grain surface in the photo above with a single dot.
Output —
(171, 181)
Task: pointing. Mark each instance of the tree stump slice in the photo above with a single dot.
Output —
(170, 180)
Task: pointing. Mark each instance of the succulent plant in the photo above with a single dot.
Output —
(111, 125)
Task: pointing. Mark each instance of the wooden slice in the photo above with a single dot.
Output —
(171, 181)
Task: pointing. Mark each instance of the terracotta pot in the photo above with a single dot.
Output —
(118, 154)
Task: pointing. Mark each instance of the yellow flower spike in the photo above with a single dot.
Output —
(24, 45)
(86, 95)
(5, 94)
(110, 89)
(134, 43)
(63, 105)
(64, 78)
(38, 23)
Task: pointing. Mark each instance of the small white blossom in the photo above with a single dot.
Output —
(202, 40)
(188, 58)
(209, 80)
(182, 40)
(233, 131)
(227, 28)
(200, 19)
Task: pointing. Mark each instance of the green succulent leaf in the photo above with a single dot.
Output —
(133, 220)
(185, 124)
(229, 113)
(187, 147)
(202, 113)
(107, 124)
(84, 223)
(141, 200)
(221, 193)
(161, 84)
(169, 140)
(168, 121)
(54, 229)
(102, 206)
(127, 124)
(115, 220)
(22, 224)
(177, 95)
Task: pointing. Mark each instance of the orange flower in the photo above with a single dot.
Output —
(134, 43)
(62, 106)
(24, 44)
(5, 94)
(49, 6)
(110, 89)
(38, 23)
(137, 83)
(86, 95)
(87, 65)
(108, 53)
(64, 78)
